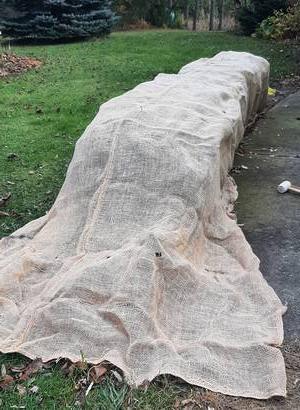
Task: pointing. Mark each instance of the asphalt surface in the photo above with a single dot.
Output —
(271, 221)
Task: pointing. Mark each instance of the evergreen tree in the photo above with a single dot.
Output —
(17, 17)
(55, 19)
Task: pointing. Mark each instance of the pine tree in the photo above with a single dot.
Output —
(56, 19)
(17, 17)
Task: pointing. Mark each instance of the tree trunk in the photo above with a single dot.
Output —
(220, 14)
(186, 14)
(211, 15)
(237, 6)
(195, 17)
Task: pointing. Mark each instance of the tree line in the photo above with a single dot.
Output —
(178, 13)
(54, 19)
(172, 13)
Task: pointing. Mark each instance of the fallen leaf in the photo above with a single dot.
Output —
(17, 369)
(177, 404)
(12, 156)
(97, 372)
(145, 385)
(236, 170)
(189, 404)
(4, 199)
(21, 390)
(81, 384)
(33, 367)
(3, 370)
(12, 64)
(68, 369)
(272, 92)
(6, 381)
(34, 389)
(4, 213)
(81, 365)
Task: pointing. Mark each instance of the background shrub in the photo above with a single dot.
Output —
(254, 12)
(281, 25)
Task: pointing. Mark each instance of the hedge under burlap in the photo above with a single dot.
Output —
(139, 261)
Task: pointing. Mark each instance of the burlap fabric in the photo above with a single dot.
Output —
(139, 261)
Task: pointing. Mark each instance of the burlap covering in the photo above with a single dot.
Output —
(139, 261)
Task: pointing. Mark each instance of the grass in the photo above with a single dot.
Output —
(57, 392)
(44, 112)
(52, 389)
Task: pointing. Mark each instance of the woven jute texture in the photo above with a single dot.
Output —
(139, 261)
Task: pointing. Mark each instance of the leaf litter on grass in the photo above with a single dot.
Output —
(11, 64)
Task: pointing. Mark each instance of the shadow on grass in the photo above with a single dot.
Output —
(32, 41)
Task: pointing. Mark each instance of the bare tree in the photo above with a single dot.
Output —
(211, 15)
(195, 16)
(237, 4)
(220, 4)
(186, 12)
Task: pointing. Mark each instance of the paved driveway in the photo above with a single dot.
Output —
(272, 220)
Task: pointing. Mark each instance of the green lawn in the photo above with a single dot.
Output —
(44, 112)
(52, 389)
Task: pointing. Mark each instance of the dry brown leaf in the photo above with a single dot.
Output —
(189, 404)
(6, 381)
(17, 369)
(3, 370)
(21, 390)
(4, 213)
(97, 372)
(81, 384)
(81, 365)
(13, 64)
(145, 385)
(33, 367)
(68, 369)
(12, 156)
(4, 199)
(177, 404)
